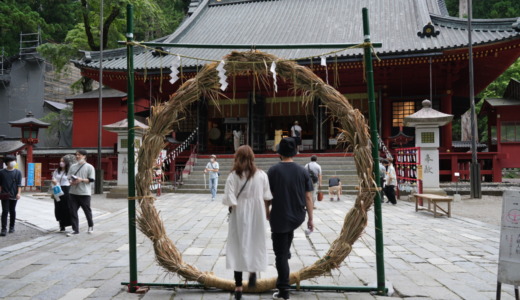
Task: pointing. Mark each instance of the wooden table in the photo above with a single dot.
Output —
(433, 202)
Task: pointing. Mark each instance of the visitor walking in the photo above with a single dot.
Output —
(11, 190)
(382, 175)
(237, 134)
(81, 175)
(334, 187)
(62, 206)
(314, 170)
(296, 133)
(212, 168)
(390, 180)
(292, 188)
(245, 192)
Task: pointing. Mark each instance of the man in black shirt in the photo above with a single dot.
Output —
(10, 183)
(292, 188)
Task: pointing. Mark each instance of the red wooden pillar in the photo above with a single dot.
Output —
(454, 168)
(387, 114)
(497, 169)
(447, 135)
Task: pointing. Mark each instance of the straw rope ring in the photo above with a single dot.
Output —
(206, 85)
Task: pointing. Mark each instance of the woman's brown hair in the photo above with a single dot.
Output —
(244, 161)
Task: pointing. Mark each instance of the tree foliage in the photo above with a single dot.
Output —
(488, 9)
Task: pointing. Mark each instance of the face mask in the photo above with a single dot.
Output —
(62, 164)
(81, 160)
(12, 164)
(212, 160)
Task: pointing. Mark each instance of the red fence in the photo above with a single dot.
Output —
(451, 162)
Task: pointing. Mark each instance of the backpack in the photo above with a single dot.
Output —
(314, 177)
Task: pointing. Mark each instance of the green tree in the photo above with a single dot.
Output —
(488, 9)
(16, 17)
(153, 19)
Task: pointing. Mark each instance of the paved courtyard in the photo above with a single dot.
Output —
(425, 257)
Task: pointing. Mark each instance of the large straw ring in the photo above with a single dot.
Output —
(206, 86)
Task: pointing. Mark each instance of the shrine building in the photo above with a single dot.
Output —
(424, 55)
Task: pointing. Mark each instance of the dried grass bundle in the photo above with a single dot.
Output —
(206, 85)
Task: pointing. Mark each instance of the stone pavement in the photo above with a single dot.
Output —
(425, 258)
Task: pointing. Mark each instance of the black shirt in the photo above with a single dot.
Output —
(289, 182)
(10, 181)
(334, 181)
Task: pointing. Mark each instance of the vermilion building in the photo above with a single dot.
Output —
(424, 56)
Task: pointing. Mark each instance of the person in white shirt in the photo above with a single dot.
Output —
(390, 180)
(237, 134)
(62, 207)
(212, 168)
(296, 133)
(315, 168)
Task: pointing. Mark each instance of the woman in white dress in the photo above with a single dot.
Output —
(246, 190)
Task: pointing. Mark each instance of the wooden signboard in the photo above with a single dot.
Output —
(509, 253)
(37, 174)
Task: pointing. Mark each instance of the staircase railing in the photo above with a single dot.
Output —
(176, 173)
(383, 147)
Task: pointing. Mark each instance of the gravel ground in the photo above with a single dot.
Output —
(487, 210)
(23, 233)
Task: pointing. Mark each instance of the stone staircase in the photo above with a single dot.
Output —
(341, 166)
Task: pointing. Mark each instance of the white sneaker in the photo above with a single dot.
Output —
(90, 230)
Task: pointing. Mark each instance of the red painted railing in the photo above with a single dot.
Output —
(451, 162)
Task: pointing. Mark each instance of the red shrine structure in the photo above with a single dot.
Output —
(424, 55)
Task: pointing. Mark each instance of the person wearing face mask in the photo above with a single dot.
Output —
(212, 169)
(10, 183)
(81, 175)
(61, 208)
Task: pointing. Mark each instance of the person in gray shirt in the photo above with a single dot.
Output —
(81, 175)
(314, 170)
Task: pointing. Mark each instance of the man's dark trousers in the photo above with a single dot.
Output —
(281, 247)
(77, 201)
(8, 206)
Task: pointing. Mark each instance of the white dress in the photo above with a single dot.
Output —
(246, 249)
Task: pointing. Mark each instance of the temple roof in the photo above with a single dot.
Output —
(511, 98)
(94, 94)
(10, 146)
(397, 24)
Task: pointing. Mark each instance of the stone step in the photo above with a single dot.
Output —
(346, 190)
(199, 174)
(197, 186)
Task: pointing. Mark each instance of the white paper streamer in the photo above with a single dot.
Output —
(175, 69)
(324, 63)
(222, 76)
(273, 70)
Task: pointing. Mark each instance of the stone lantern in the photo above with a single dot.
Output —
(121, 128)
(427, 122)
(30, 127)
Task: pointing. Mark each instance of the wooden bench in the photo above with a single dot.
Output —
(433, 201)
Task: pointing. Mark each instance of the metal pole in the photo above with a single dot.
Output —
(380, 262)
(132, 286)
(476, 191)
(98, 188)
(293, 287)
(262, 46)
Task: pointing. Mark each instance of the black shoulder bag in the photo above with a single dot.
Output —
(240, 192)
